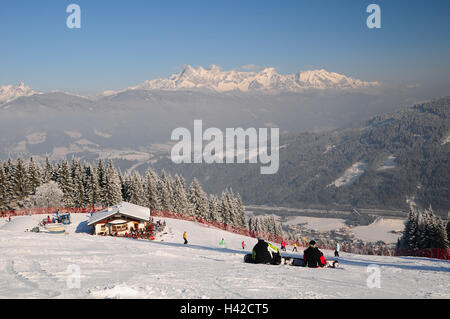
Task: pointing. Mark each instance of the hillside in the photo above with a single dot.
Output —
(36, 265)
(388, 160)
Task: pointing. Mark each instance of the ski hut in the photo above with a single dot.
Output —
(120, 219)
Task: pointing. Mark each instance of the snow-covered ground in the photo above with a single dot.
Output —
(319, 224)
(350, 175)
(39, 265)
(380, 230)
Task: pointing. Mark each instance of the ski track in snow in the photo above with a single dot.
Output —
(36, 266)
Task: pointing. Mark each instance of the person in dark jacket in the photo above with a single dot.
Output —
(265, 253)
(313, 257)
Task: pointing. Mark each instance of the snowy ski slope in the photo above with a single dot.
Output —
(42, 265)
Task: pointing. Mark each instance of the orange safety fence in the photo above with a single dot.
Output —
(435, 253)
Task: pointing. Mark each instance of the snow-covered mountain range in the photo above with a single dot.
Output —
(214, 78)
(11, 92)
(218, 80)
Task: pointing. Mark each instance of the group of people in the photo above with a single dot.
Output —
(138, 233)
(266, 253)
(47, 220)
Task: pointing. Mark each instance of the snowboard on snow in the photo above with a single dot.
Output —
(293, 261)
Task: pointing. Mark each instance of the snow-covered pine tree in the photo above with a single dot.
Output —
(111, 192)
(151, 190)
(125, 181)
(448, 230)
(198, 199)
(66, 184)
(251, 223)
(265, 224)
(423, 230)
(125, 186)
(3, 188)
(257, 224)
(214, 209)
(78, 183)
(440, 235)
(226, 208)
(47, 175)
(241, 219)
(438, 232)
(279, 229)
(56, 170)
(92, 188)
(9, 171)
(166, 192)
(261, 225)
(136, 191)
(20, 186)
(411, 236)
(101, 178)
(403, 242)
(271, 228)
(426, 229)
(34, 176)
(180, 196)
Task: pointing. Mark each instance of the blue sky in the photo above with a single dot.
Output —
(123, 43)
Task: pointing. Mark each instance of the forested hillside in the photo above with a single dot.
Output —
(390, 159)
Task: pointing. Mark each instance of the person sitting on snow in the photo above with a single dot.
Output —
(313, 257)
(265, 253)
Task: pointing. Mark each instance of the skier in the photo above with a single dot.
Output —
(283, 245)
(336, 250)
(185, 238)
(295, 247)
(222, 242)
(243, 245)
(9, 218)
(313, 257)
(265, 253)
